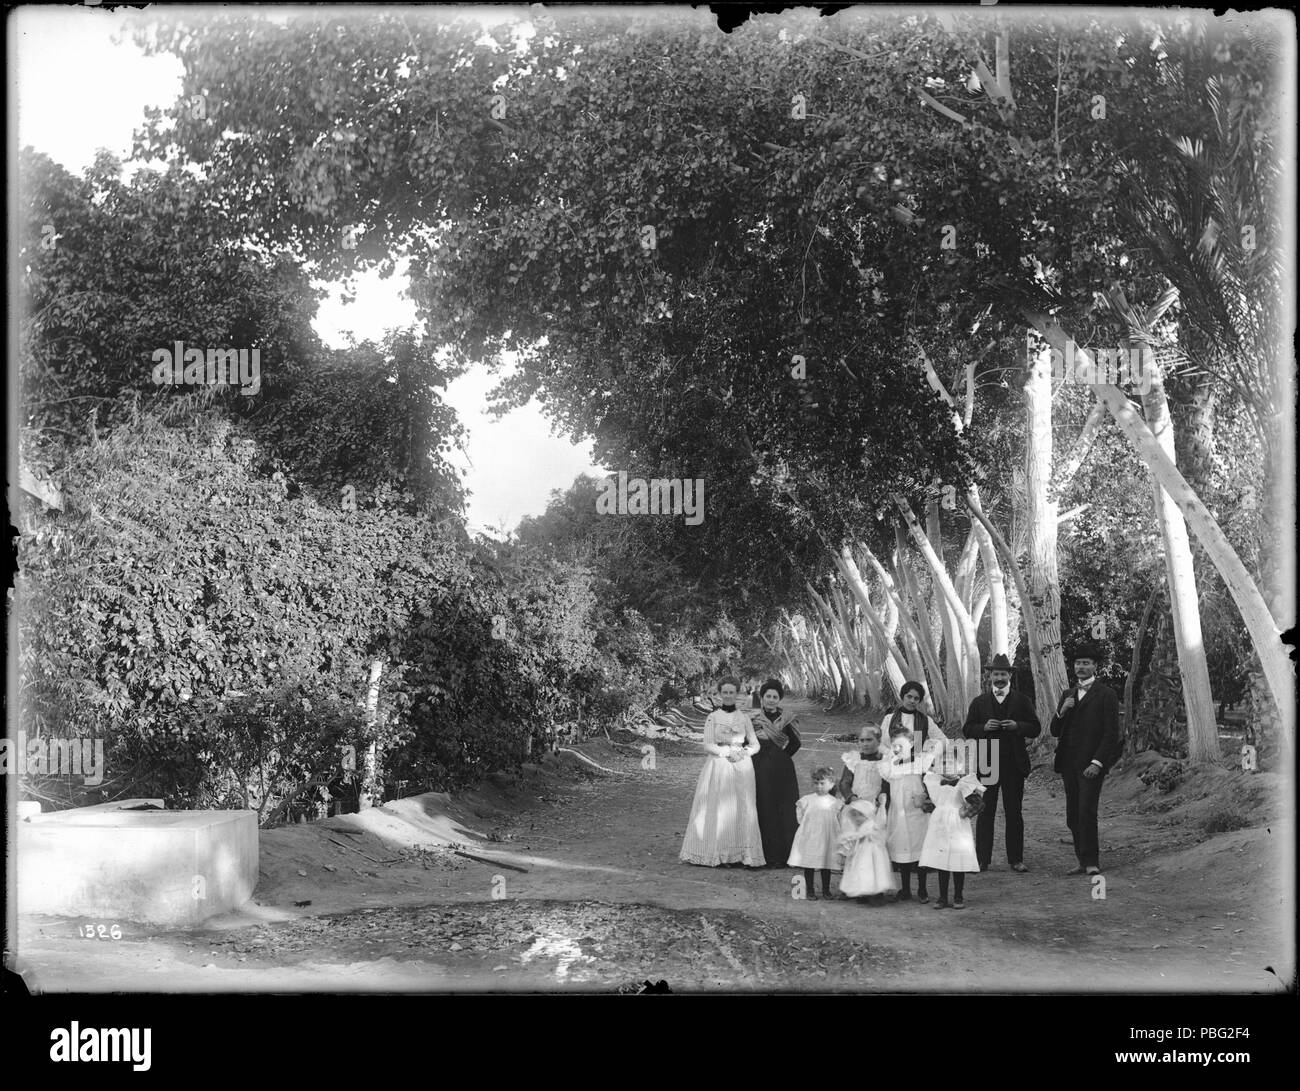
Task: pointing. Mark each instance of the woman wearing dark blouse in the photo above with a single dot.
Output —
(775, 782)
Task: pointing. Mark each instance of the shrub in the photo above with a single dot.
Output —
(1227, 818)
(1164, 777)
(273, 753)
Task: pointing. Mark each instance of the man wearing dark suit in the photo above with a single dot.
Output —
(1005, 718)
(1087, 723)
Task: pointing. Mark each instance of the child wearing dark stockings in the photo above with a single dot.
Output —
(819, 830)
(949, 846)
(908, 806)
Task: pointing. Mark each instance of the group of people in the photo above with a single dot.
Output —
(745, 809)
(908, 800)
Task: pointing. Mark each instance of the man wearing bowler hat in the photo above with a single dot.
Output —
(1005, 719)
(1087, 724)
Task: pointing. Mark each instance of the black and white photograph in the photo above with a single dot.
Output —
(652, 500)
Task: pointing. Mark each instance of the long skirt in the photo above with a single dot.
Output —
(723, 826)
(867, 870)
(777, 786)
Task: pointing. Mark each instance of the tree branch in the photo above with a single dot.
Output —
(935, 104)
(1079, 451)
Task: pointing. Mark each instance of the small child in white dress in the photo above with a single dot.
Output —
(819, 828)
(867, 870)
(949, 845)
(909, 808)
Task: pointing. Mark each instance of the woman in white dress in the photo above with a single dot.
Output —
(723, 827)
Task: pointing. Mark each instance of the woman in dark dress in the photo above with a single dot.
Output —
(775, 782)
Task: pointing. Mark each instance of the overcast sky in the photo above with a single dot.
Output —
(77, 91)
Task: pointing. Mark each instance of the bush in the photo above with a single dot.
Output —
(1227, 818)
(1164, 777)
(289, 749)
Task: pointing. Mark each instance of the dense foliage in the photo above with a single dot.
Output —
(719, 257)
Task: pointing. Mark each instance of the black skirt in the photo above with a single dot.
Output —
(777, 789)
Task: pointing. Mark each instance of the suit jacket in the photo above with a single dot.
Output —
(1011, 743)
(1088, 731)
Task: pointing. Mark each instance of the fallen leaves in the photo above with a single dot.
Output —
(574, 942)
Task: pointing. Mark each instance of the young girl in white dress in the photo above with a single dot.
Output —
(868, 873)
(949, 845)
(723, 826)
(908, 810)
(819, 829)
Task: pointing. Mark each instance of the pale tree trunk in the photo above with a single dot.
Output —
(976, 542)
(952, 655)
(369, 773)
(795, 659)
(1014, 619)
(1075, 457)
(828, 673)
(914, 607)
(964, 688)
(964, 582)
(1180, 576)
(1264, 632)
(862, 686)
(807, 675)
(998, 640)
(1277, 553)
(1260, 620)
(913, 664)
(1044, 698)
(975, 598)
(818, 672)
(850, 668)
(829, 666)
(822, 668)
(866, 687)
(894, 667)
(804, 650)
(893, 633)
(830, 650)
(1135, 664)
(1044, 590)
(964, 575)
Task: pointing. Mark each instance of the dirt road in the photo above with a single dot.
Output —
(604, 904)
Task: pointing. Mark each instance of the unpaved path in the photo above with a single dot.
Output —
(604, 904)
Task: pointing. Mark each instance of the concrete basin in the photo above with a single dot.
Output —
(112, 863)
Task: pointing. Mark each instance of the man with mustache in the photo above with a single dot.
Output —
(1087, 724)
(1005, 719)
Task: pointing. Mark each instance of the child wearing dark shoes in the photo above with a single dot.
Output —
(867, 872)
(949, 846)
(819, 829)
(908, 806)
